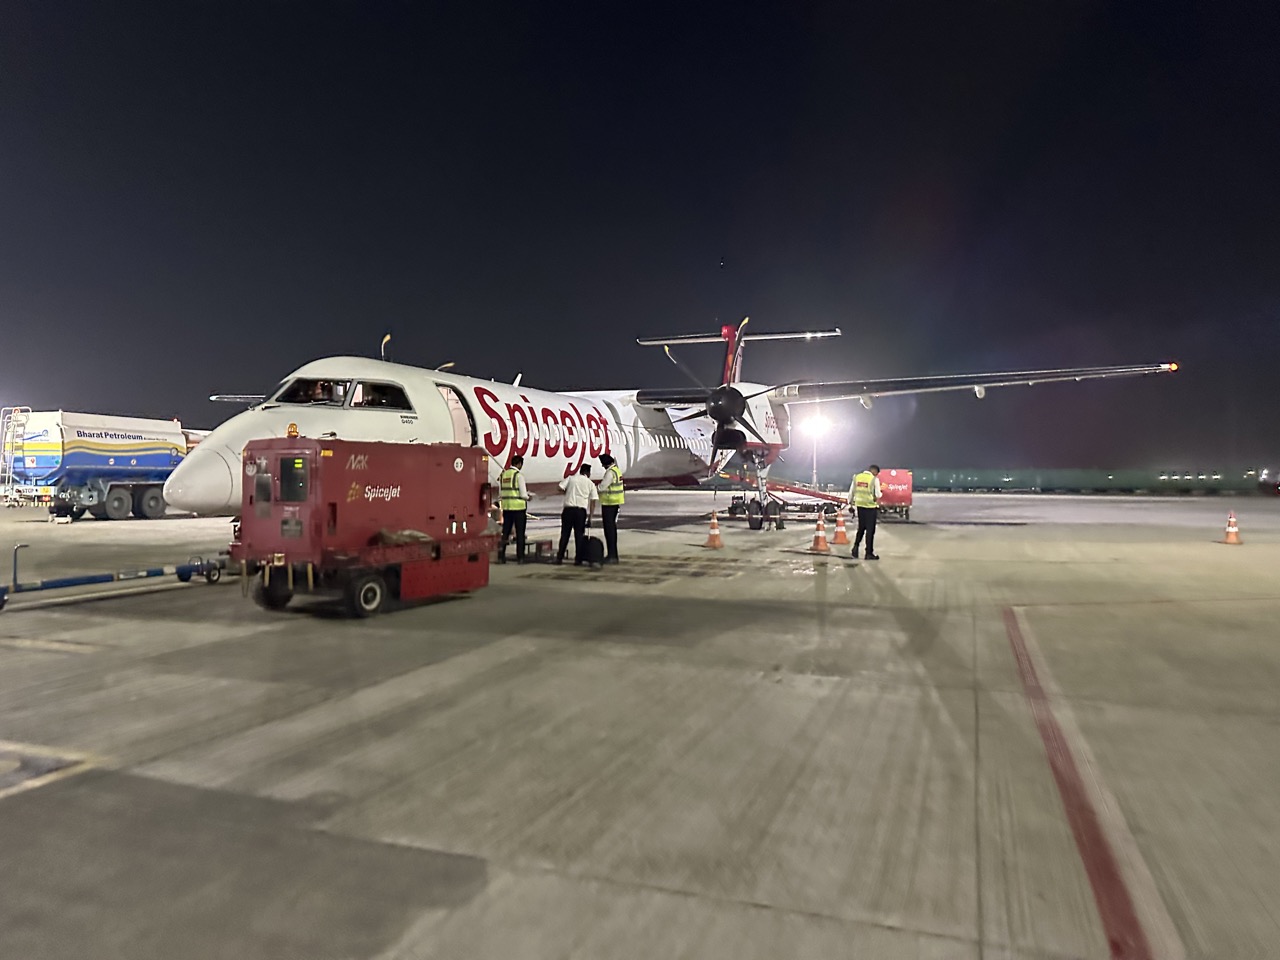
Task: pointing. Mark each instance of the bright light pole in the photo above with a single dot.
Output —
(815, 426)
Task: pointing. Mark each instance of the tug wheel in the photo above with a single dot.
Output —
(366, 595)
(272, 596)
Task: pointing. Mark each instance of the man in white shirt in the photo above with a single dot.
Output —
(580, 497)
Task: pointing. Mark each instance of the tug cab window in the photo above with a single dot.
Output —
(306, 390)
(386, 396)
(293, 479)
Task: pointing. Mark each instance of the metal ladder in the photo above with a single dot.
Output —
(13, 432)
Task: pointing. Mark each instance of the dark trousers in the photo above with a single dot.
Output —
(513, 520)
(609, 518)
(573, 520)
(866, 524)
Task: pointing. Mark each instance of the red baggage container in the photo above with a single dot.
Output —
(372, 521)
(895, 493)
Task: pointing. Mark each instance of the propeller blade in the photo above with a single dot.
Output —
(696, 415)
(683, 369)
(750, 429)
(761, 393)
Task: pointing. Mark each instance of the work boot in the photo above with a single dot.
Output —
(871, 556)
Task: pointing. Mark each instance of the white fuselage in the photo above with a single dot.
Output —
(555, 432)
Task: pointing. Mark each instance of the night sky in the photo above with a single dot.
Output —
(200, 197)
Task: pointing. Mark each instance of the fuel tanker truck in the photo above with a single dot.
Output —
(109, 467)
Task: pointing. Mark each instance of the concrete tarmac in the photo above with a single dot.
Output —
(1039, 727)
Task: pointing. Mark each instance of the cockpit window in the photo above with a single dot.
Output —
(306, 391)
(386, 396)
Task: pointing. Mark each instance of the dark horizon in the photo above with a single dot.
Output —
(201, 199)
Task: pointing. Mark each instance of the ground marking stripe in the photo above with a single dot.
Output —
(47, 646)
(1161, 932)
(80, 762)
(1126, 936)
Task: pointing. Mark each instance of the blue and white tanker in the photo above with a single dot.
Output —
(107, 466)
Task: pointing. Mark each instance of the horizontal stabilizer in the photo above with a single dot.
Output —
(238, 397)
(720, 338)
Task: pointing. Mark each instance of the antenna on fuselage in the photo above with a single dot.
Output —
(385, 341)
(445, 366)
(516, 381)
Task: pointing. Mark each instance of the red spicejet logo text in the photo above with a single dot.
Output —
(575, 435)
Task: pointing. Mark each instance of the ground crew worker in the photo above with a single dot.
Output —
(580, 496)
(514, 502)
(864, 496)
(611, 498)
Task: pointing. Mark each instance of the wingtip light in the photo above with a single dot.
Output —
(1173, 368)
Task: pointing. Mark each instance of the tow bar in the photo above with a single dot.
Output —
(211, 570)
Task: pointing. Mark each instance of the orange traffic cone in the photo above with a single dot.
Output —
(1233, 530)
(713, 536)
(820, 538)
(842, 535)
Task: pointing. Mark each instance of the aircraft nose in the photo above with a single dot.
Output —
(202, 483)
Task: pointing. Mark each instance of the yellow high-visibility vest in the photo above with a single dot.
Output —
(509, 490)
(612, 495)
(864, 489)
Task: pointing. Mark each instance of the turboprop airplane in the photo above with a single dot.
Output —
(659, 437)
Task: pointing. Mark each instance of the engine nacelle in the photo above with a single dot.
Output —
(866, 402)
(979, 392)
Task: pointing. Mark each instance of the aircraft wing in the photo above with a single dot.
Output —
(807, 392)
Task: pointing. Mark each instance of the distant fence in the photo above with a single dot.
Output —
(1233, 480)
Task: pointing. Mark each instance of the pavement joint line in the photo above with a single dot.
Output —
(1033, 605)
(640, 885)
(1135, 921)
(976, 685)
(81, 762)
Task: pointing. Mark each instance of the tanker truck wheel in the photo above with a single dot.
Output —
(366, 595)
(148, 503)
(272, 596)
(119, 503)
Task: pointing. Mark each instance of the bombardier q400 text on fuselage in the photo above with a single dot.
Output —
(659, 437)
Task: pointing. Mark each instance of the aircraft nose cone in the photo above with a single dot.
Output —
(201, 483)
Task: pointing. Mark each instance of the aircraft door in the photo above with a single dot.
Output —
(464, 424)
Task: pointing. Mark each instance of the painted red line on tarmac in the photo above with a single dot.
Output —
(1124, 932)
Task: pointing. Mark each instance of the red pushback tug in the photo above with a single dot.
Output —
(370, 521)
